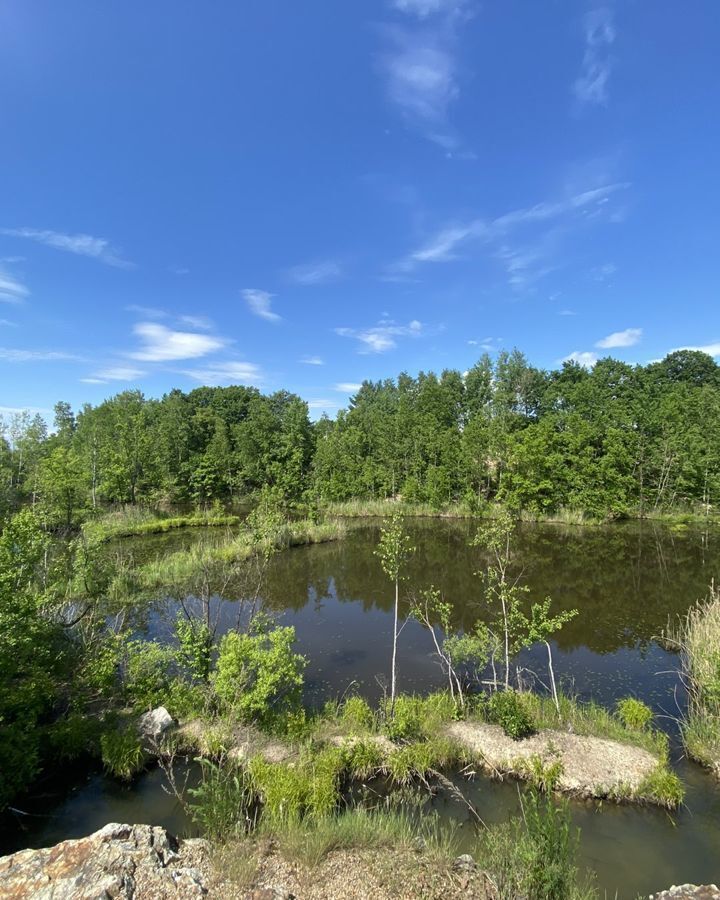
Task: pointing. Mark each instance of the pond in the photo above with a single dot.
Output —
(626, 580)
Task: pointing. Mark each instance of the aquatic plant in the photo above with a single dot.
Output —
(634, 713)
(698, 637)
(122, 753)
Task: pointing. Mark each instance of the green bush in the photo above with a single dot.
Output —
(75, 736)
(506, 709)
(122, 753)
(258, 675)
(356, 714)
(310, 788)
(634, 714)
(414, 718)
(223, 803)
(534, 856)
(149, 673)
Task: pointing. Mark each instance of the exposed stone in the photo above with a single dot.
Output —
(688, 892)
(155, 723)
(464, 863)
(123, 862)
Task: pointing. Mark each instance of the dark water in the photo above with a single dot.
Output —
(627, 581)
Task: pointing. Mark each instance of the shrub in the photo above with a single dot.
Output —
(356, 714)
(122, 753)
(223, 802)
(634, 714)
(293, 792)
(419, 717)
(149, 671)
(257, 673)
(74, 736)
(534, 856)
(506, 709)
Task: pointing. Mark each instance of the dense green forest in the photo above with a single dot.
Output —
(612, 441)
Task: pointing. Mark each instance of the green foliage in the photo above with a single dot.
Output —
(195, 641)
(356, 714)
(662, 786)
(148, 673)
(506, 709)
(257, 674)
(534, 856)
(394, 548)
(74, 736)
(363, 757)
(415, 717)
(308, 789)
(224, 801)
(33, 651)
(634, 713)
(122, 753)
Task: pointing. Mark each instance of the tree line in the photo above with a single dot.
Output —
(612, 441)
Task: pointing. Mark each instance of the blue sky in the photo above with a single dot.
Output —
(304, 195)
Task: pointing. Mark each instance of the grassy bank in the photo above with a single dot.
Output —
(132, 521)
(698, 637)
(183, 564)
(429, 735)
(379, 508)
(370, 509)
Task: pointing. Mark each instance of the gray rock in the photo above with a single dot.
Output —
(125, 862)
(155, 723)
(689, 892)
(464, 863)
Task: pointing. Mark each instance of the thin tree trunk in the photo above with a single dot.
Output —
(394, 653)
(552, 677)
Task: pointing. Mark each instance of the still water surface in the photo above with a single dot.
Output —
(627, 581)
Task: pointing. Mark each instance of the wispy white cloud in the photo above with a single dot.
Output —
(11, 290)
(489, 344)
(31, 410)
(567, 312)
(627, 338)
(119, 373)
(316, 273)
(383, 336)
(603, 272)
(13, 355)
(201, 322)
(347, 387)
(92, 380)
(711, 349)
(425, 8)
(525, 262)
(260, 304)
(150, 312)
(312, 361)
(231, 372)
(421, 69)
(591, 86)
(322, 404)
(162, 344)
(6, 323)
(81, 244)
(585, 358)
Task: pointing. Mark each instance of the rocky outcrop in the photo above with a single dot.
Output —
(123, 862)
(689, 892)
(153, 724)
